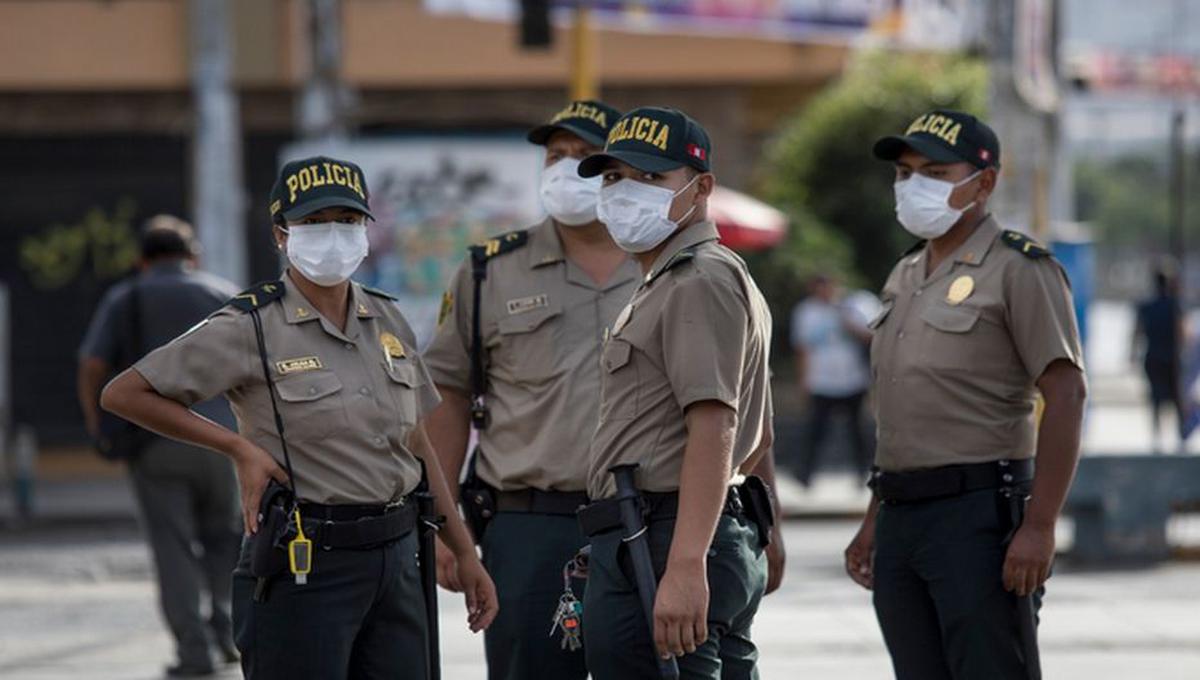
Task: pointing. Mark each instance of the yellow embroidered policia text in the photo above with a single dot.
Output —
(941, 126)
(321, 174)
(581, 110)
(642, 129)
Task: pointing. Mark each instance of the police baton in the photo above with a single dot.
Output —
(628, 500)
(1027, 628)
(428, 524)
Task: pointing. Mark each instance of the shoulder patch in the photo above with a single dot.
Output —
(256, 296)
(1024, 245)
(380, 293)
(916, 248)
(504, 243)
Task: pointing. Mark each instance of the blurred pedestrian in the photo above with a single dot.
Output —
(188, 497)
(959, 536)
(829, 340)
(1159, 332)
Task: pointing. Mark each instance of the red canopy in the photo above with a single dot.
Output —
(745, 223)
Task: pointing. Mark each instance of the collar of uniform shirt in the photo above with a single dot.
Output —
(686, 238)
(972, 251)
(545, 247)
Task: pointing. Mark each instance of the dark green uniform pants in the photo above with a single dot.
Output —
(190, 511)
(619, 643)
(360, 616)
(939, 593)
(525, 554)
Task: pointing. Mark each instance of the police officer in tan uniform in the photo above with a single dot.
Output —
(546, 296)
(685, 396)
(977, 321)
(352, 394)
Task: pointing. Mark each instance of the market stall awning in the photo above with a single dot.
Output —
(745, 223)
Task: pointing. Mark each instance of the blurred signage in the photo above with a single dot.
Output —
(432, 197)
(1111, 70)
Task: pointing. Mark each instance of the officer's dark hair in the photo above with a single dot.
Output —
(167, 236)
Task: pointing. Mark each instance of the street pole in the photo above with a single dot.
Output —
(584, 83)
(321, 111)
(218, 198)
(1177, 241)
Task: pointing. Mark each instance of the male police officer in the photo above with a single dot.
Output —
(976, 321)
(188, 497)
(545, 298)
(685, 396)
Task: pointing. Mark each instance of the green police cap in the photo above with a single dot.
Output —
(588, 119)
(311, 184)
(653, 139)
(945, 136)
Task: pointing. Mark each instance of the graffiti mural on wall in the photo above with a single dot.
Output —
(102, 245)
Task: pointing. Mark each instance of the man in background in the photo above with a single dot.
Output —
(188, 497)
(830, 340)
(1160, 329)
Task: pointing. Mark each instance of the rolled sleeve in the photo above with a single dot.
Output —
(1042, 317)
(448, 357)
(210, 359)
(705, 333)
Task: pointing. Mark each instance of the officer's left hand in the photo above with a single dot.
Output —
(482, 603)
(1030, 555)
(776, 560)
(681, 610)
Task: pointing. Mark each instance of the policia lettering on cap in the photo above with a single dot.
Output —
(678, 532)
(333, 461)
(517, 352)
(959, 537)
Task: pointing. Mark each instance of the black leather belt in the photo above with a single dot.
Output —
(950, 480)
(605, 515)
(541, 502)
(356, 526)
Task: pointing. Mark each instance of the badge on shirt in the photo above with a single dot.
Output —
(447, 306)
(298, 365)
(391, 345)
(526, 304)
(622, 318)
(960, 290)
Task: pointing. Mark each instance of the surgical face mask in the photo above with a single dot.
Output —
(637, 214)
(326, 253)
(923, 208)
(567, 197)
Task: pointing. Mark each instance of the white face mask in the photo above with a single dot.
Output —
(922, 205)
(637, 214)
(567, 197)
(326, 253)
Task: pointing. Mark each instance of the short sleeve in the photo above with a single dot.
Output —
(1042, 316)
(448, 357)
(427, 394)
(705, 334)
(215, 356)
(103, 339)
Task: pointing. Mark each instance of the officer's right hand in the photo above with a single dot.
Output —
(255, 469)
(860, 555)
(447, 569)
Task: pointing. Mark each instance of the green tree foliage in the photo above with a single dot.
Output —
(820, 170)
(1126, 199)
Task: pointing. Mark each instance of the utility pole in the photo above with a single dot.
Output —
(584, 83)
(218, 198)
(322, 106)
(1178, 196)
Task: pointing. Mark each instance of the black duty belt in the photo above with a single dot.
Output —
(541, 502)
(950, 480)
(605, 515)
(357, 526)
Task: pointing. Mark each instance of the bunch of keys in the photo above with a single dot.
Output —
(569, 616)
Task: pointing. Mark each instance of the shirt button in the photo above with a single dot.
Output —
(312, 390)
(349, 345)
(379, 441)
(365, 391)
(901, 335)
(918, 293)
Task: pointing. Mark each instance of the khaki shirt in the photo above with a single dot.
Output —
(955, 356)
(348, 405)
(542, 321)
(697, 329)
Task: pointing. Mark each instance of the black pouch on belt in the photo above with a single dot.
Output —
(270, 556)
(758, 506)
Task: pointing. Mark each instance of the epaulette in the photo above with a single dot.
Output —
(686, 255)
(1024, 245)
(504, 243)
(256, 296)
(916, 248)
(380, 293)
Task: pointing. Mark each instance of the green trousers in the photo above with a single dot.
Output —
(617, 639)
(525, 554)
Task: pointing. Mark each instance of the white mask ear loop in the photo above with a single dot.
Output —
(681, 190)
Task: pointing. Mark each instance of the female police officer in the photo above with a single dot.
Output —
(351, 392)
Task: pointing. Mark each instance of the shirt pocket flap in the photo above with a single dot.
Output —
(951, 319)
(304, 387)
(882, 315)
(526, 322)
(616, 355)
(405, 373)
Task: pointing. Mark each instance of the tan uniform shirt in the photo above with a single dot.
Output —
(542, 323)
(956, 354)
(348, 403)
(697, 329)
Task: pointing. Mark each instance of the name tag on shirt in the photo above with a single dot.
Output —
(526, 304)
(298, 365)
